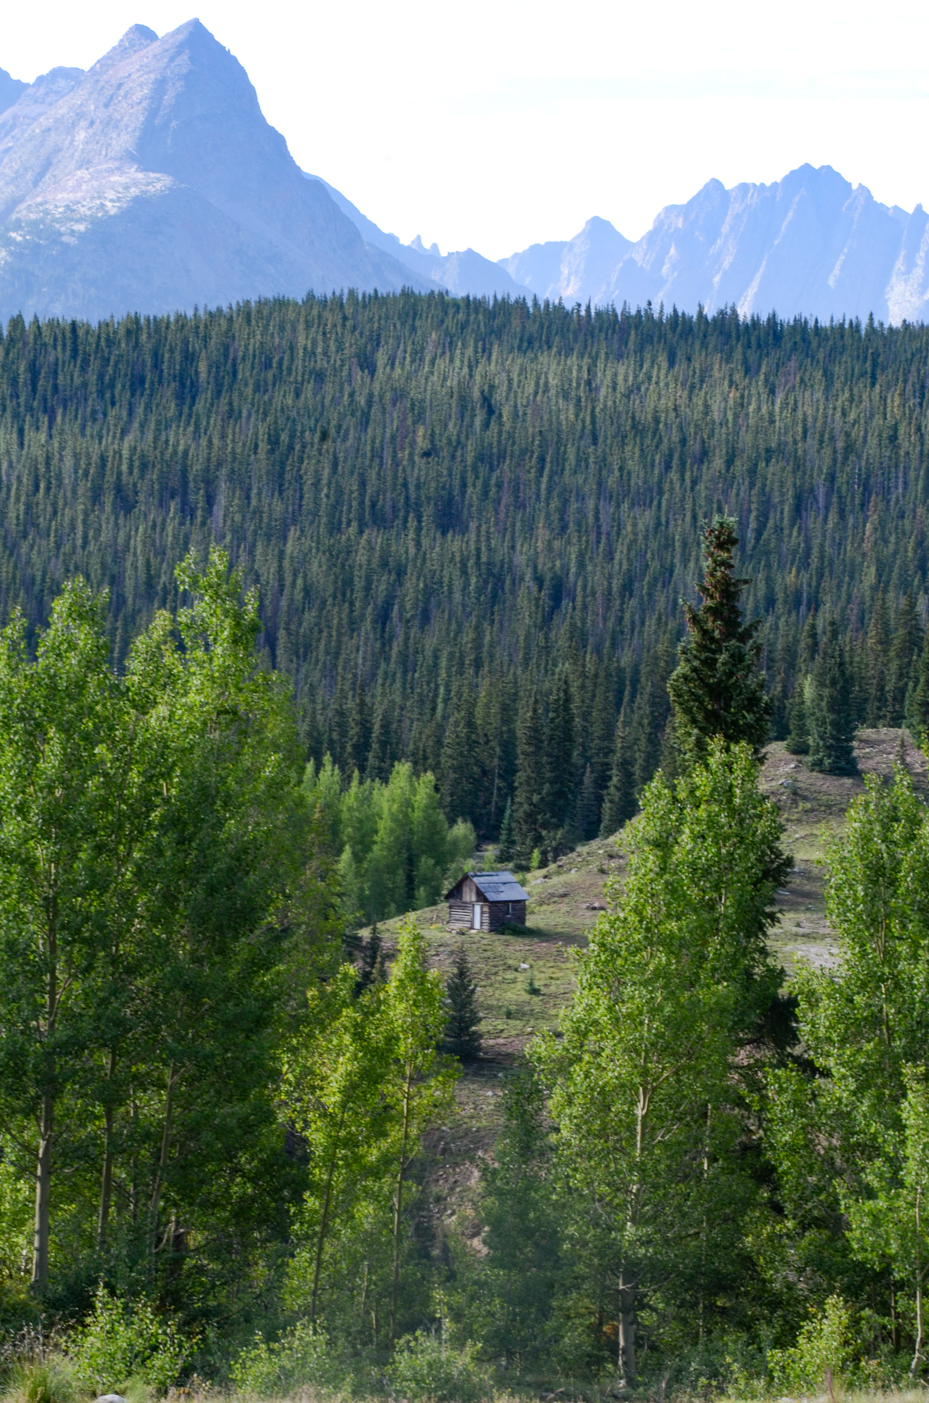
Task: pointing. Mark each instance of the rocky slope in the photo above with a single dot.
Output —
(153, 182)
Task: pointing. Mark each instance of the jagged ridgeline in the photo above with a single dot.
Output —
(430, 490)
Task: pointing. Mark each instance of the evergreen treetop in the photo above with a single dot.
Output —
(830, 709)
(718, 688)
(462, 1027)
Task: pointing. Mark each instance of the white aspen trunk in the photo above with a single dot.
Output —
(43, 1184)
(43, 1172)
(918, 1352)
(398, 1199)
(106, 1176)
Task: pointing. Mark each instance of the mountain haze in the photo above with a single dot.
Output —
(808, 245)
(462, 272)
(153, 183)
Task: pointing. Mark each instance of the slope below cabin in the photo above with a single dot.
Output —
(486, 901)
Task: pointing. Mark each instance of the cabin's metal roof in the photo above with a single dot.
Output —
(495, 886)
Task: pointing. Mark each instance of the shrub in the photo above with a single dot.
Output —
(119, 1343)
(300, 1357)
(426, 1370)
(824, 1343)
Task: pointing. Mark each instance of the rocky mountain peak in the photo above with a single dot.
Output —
(153, 182)
(137, 37)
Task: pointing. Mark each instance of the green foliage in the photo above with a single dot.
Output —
(619, 803)
(445, 502)
(851, 1140)
(718, 688)
(504, 1300)
(891, 1225)
(363, 1082)
(462, 1027)
(159, 884)
(917, 700)
(671, 993)
(333, 1083)
(49, 1379)
(529, 802)
(395, 849)
(798, 738)
(830, 711)
(121, 1341)
(506, 848)
(424, 1369)
(418, 1087)
(558, 762)
(299, 1359)
(823, 1353)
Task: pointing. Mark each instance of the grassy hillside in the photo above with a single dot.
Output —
(526, 978)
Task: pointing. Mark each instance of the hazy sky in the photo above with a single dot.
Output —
(496, 124)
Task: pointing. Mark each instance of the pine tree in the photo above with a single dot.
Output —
(496, 726)
(619, 803)
(462, 1026)
(529, 802)
(718, 688)
(338, 728)
(830, 714)
(903, 660)
(506, 848)
(559, 755)
(460, 787)
(372, 962)
(809, 646)
(359, 733)
(878, 662)
(649, 717)
(382, 754)
(798, 738)
(917, 702)
(602, 733)
(587, 815)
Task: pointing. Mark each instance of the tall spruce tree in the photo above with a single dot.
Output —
(496, 727)
(878, 661)
(359, 732)
(917, 701)
(460, 786)
(382, 754)
(507, 845)
(559, 755)
(903, 659)
(462, 1025)
(830, 710)
(529, 802)
(619, 803)
(718, 687)
(602, 733)
(650, 713)
(587, 811)
(798, 737)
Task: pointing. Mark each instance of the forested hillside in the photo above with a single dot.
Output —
(432, 492)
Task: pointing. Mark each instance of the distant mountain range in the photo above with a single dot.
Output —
(152, 182)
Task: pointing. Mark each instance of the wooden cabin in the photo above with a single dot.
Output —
(486, 901)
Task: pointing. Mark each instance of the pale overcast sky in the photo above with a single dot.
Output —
(496, 124)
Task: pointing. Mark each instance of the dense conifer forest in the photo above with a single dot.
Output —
(444, 502)
(300, 601)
